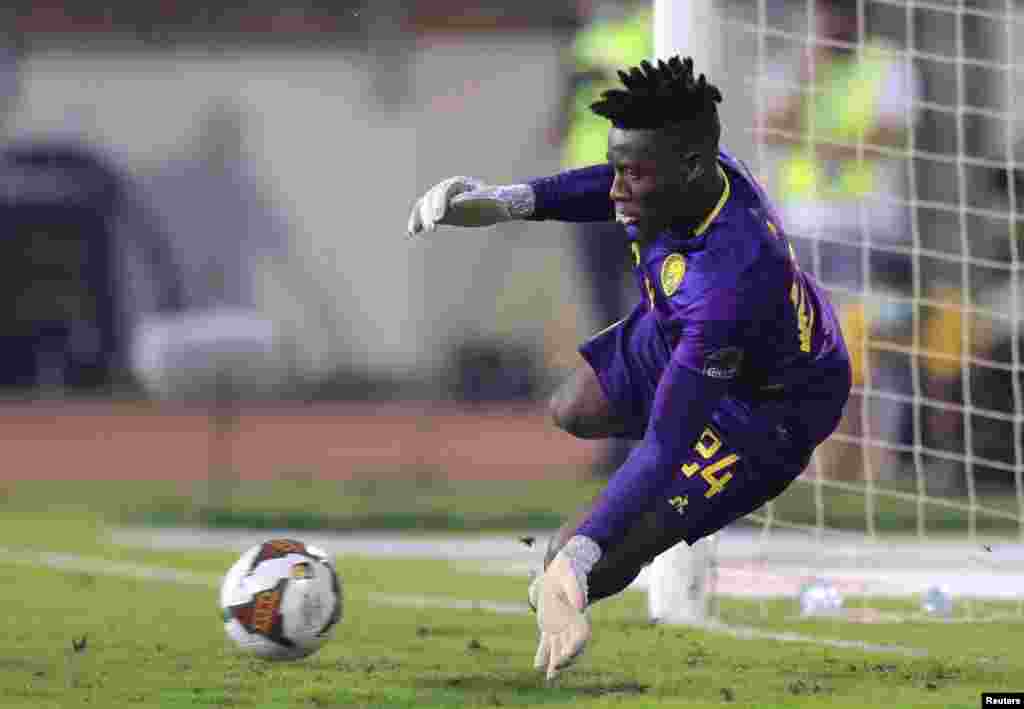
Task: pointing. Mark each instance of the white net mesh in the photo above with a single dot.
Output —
(907, 212)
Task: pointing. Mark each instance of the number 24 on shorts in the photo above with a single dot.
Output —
(707, 446)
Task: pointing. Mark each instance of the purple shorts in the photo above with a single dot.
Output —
(628, 358)
(750, 450)
(718, 484)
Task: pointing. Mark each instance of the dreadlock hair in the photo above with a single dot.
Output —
(665, 96)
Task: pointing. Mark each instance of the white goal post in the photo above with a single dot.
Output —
(679, 581)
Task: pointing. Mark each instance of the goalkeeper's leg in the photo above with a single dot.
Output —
(610, 393)
(580, 408)
(739, 489)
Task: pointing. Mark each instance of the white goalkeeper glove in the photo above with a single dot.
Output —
(466, 201)
(560, 597)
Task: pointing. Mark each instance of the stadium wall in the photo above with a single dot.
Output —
(343, 165)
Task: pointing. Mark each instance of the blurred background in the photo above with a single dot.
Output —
(208, 282)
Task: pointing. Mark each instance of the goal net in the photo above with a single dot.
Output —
(887, 130)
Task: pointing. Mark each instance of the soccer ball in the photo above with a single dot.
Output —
(281, 600)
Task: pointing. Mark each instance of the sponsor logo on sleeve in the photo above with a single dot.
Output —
(724, 363)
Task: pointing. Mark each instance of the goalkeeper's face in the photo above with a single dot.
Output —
(658, 178)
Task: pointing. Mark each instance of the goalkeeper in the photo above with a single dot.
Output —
(730, 370)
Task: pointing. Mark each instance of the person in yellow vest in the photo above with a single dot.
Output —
(841, 175)
(613, 35)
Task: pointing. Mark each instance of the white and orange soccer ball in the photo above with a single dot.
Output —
(281, 600)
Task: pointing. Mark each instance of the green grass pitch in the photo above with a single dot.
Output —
(160, 644)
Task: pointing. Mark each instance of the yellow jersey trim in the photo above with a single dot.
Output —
(718, 207)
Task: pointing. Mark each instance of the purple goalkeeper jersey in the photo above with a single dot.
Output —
(729, 299)
(737, 322)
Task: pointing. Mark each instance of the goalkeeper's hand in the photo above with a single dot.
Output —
(466, 201)
(560, 597)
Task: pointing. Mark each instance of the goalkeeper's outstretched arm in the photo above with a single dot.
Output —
(571, 196)
(683, 402)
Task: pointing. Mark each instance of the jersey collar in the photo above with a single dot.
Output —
(696, 238)
(726, 191)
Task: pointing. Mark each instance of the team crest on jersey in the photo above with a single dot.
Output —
(673, 268)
